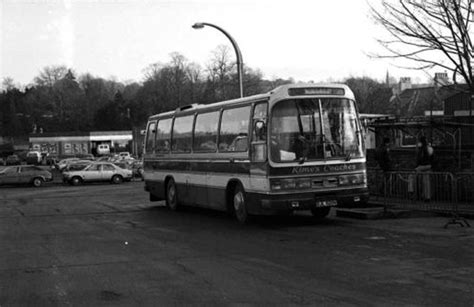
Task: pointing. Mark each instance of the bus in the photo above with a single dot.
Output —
(297, 147)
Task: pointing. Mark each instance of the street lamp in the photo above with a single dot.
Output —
(200, 25)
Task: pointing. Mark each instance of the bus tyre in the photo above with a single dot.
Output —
(320, 213)
(239, 205)
(37, 182)
(171, 195)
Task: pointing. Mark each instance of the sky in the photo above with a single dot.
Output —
(308, 40)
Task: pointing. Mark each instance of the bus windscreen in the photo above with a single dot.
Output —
(315, 129)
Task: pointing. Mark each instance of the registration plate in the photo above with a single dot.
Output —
(326, 203)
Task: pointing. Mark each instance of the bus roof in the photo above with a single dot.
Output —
(279, 93)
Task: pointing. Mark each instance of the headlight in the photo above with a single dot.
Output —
(276, 185)
(304, 183)
(287, 184)
(353, 179)
(290, 184)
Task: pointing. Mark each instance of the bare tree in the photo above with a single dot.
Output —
(152, 71)
(219, 71)
(430, 33)
(193, 73)
(8, 83)
(177, 68)
(50, 75)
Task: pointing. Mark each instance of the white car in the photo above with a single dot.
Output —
(124, 155)
(98, 171)
(103, 149)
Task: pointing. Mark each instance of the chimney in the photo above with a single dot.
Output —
(441, 79)
(405, 83)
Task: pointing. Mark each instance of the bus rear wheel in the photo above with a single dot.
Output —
(171, 195)
(320, 213)
(239, 205)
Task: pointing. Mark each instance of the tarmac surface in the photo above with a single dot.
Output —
(104, 245)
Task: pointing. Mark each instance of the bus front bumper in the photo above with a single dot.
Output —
(268, 203)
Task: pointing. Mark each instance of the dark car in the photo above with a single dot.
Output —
(13, 160)
(76, 165)
(51, 160)
(25, 174)
(89, 157)
(135, 166)
(34, 157)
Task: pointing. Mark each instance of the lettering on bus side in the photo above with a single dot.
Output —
(324, 169)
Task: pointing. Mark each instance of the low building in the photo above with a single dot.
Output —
(75, 143)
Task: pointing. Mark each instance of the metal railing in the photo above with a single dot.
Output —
(440, 192)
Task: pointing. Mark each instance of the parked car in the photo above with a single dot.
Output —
(76, 165)
(34, 157)
(13, 160)
(135, 166)
(61, 165)
(51, 159)
(138, 169)
(98, 171)
(103, 149)
(105, 158)
(124, 155)
(25, 174)
(86, 157)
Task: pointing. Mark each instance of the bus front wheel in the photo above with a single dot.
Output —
(239, 205)
(171, 195)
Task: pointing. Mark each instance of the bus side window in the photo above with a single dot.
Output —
(233, 133)
(205, 132)
(150, 137)
(163, 134)
(182, 134)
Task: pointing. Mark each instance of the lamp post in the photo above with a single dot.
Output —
(200, 25)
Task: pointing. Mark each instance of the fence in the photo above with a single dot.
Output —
(441, 192)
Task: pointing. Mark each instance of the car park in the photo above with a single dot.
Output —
(98, 171)
(13, 160)
(24, 174)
